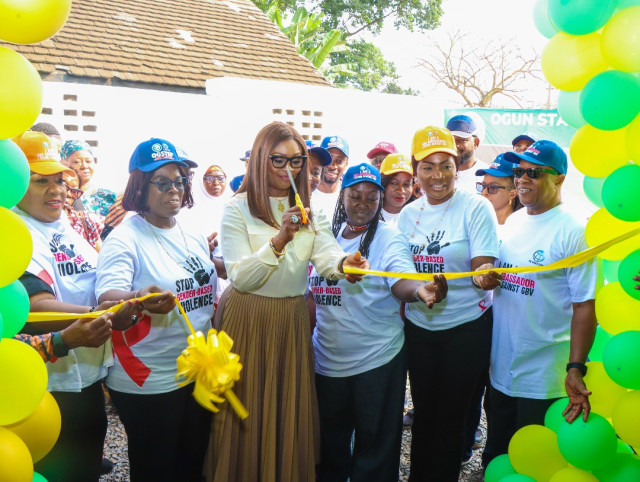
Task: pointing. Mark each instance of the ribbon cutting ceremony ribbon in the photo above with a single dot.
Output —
(569, 262)
(208, 362)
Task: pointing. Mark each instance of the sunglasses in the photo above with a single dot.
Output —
(211, 179)
(532, 172)
(280, 161)
(491, 188)
(163, 184)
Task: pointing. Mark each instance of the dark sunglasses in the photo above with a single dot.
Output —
(164, 184)
(532, 172)
(211, 179)
(281, 161)
(491, 188)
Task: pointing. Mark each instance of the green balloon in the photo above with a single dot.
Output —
(541, 19)
(15, 168)
(593, 189)
(579, 17)
(517, 478)
(553, 418)
(620, 193)
(622, 4)
(610, 100)
(610, 268)
(569, 108)
(14, 306)
(499, 468)
(622, 468)
(597, 349)
(623, 448)
(38, 477)
(587, 445)
(630, 267)
(621, 359)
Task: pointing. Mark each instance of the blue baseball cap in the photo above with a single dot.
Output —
(364, 172)
(153, 154)
(321, 152)
(543, 153)
(246, 155)
(184, 157)
(336, 142)
(524, 137)
(462, 126)
(236, 182)
(498, 168)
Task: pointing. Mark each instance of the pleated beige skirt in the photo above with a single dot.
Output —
(280, 440)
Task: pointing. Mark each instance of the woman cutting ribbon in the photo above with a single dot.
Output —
(267, 251)
(150, 253)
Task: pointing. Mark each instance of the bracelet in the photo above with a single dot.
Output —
(92, 309)
(415, 294)
(580, 366)
(341, 264)
(475, 283)
(275, 251)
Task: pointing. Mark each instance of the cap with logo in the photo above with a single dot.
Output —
(463, 126)
(394, 163)
(336, 142)
(41, 153)
(430, 140)
(321, 152)
(153, 154)
(246, 156)
(364, 172)
(500, 167)
(385, 148)
(524, 137)
(184, 157)
(543, 153)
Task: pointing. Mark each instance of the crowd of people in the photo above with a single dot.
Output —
(325, 353)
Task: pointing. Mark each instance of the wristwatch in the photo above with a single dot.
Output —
(59, 348)
(580, 366)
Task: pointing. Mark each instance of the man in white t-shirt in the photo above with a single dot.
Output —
(326, 196)
(467, 134)
(541, 320)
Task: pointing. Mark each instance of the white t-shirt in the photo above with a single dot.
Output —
(467, 179)
(467, 230)
(132, 258)
(532, 311)
(325, 203)
(64, 260)
(358, 325)
(390, 218)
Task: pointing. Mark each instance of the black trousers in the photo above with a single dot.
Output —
(77, 454)
(168, 435)
(371, 404)
(506, 416)
(445, 368)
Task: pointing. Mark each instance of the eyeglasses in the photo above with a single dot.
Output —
(164, 184)
(211, 179)
(281, 161)
(532, 172)
(491, 188)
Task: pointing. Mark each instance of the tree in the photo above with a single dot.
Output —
(481, 72)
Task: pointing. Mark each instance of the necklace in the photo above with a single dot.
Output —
(435, 228)
(357, 229)
(280, 203)
(166, 250)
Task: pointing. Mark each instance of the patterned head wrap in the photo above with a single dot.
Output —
(70, 147)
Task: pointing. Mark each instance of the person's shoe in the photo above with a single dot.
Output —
(106, 466)
(478, 438)
(407, 420)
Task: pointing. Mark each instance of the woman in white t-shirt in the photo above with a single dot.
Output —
(449, 346)
(397, 180)
(61, 278)
(360, 355)
(150, 253)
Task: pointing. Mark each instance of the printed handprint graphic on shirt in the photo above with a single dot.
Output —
(434, 243)
(194, 266)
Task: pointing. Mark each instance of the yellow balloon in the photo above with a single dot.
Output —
(602, 227)
(23, 380)
(32, 21)
(20, 93)
(16, 244)
(620, 44)
(534, 451)
(626, 418)
(597, 153)
(573, 474)
(570, 61)
(633, 134)
(616, 311)
(15, 461)
(606, 392)
(40, 430)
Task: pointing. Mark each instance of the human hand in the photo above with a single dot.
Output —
(433, 291)
(161, 303)
(578, 396)
(212, 239)
(489, 280)
(128, 315)
(288, 228)
(88, 332)
(355, 260)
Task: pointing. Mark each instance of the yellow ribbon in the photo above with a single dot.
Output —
(206, 361)
(568, 262)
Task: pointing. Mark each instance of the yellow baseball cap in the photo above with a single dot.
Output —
(41, 153)
(431, 139)
(394, 163)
